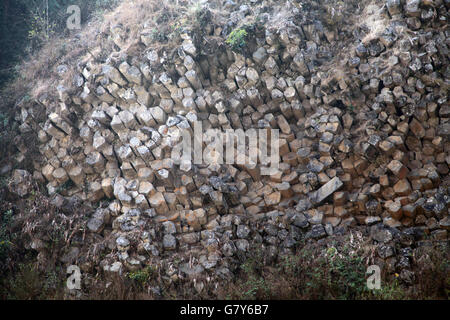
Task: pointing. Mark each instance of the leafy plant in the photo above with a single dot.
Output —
(141, 277)
(237, 38)
(255, 283)
(390, 291)
(5, 240)
(3, 120)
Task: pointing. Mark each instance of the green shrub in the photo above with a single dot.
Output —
(255, 285)
(313, 272)
(28, 283)
(237, 38)
(141, 277)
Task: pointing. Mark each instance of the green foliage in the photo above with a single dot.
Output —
(28, 283)
(254, 286)
(41, 28)
(344, 274)
(26, 24)
(3, 121)
(390, 291)
(5, 238)
(341, 274)
(334, 272)
(3, 179)
(141, 277)
(237, 38)
(176, 29)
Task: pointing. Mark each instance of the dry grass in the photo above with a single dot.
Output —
(37, 74)
(375, 21)
(335, 269)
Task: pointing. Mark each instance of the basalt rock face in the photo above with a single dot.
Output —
(359, 95)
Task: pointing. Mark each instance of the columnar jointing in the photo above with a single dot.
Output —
(361, 112)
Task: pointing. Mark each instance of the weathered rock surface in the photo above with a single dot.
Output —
(361, 110)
